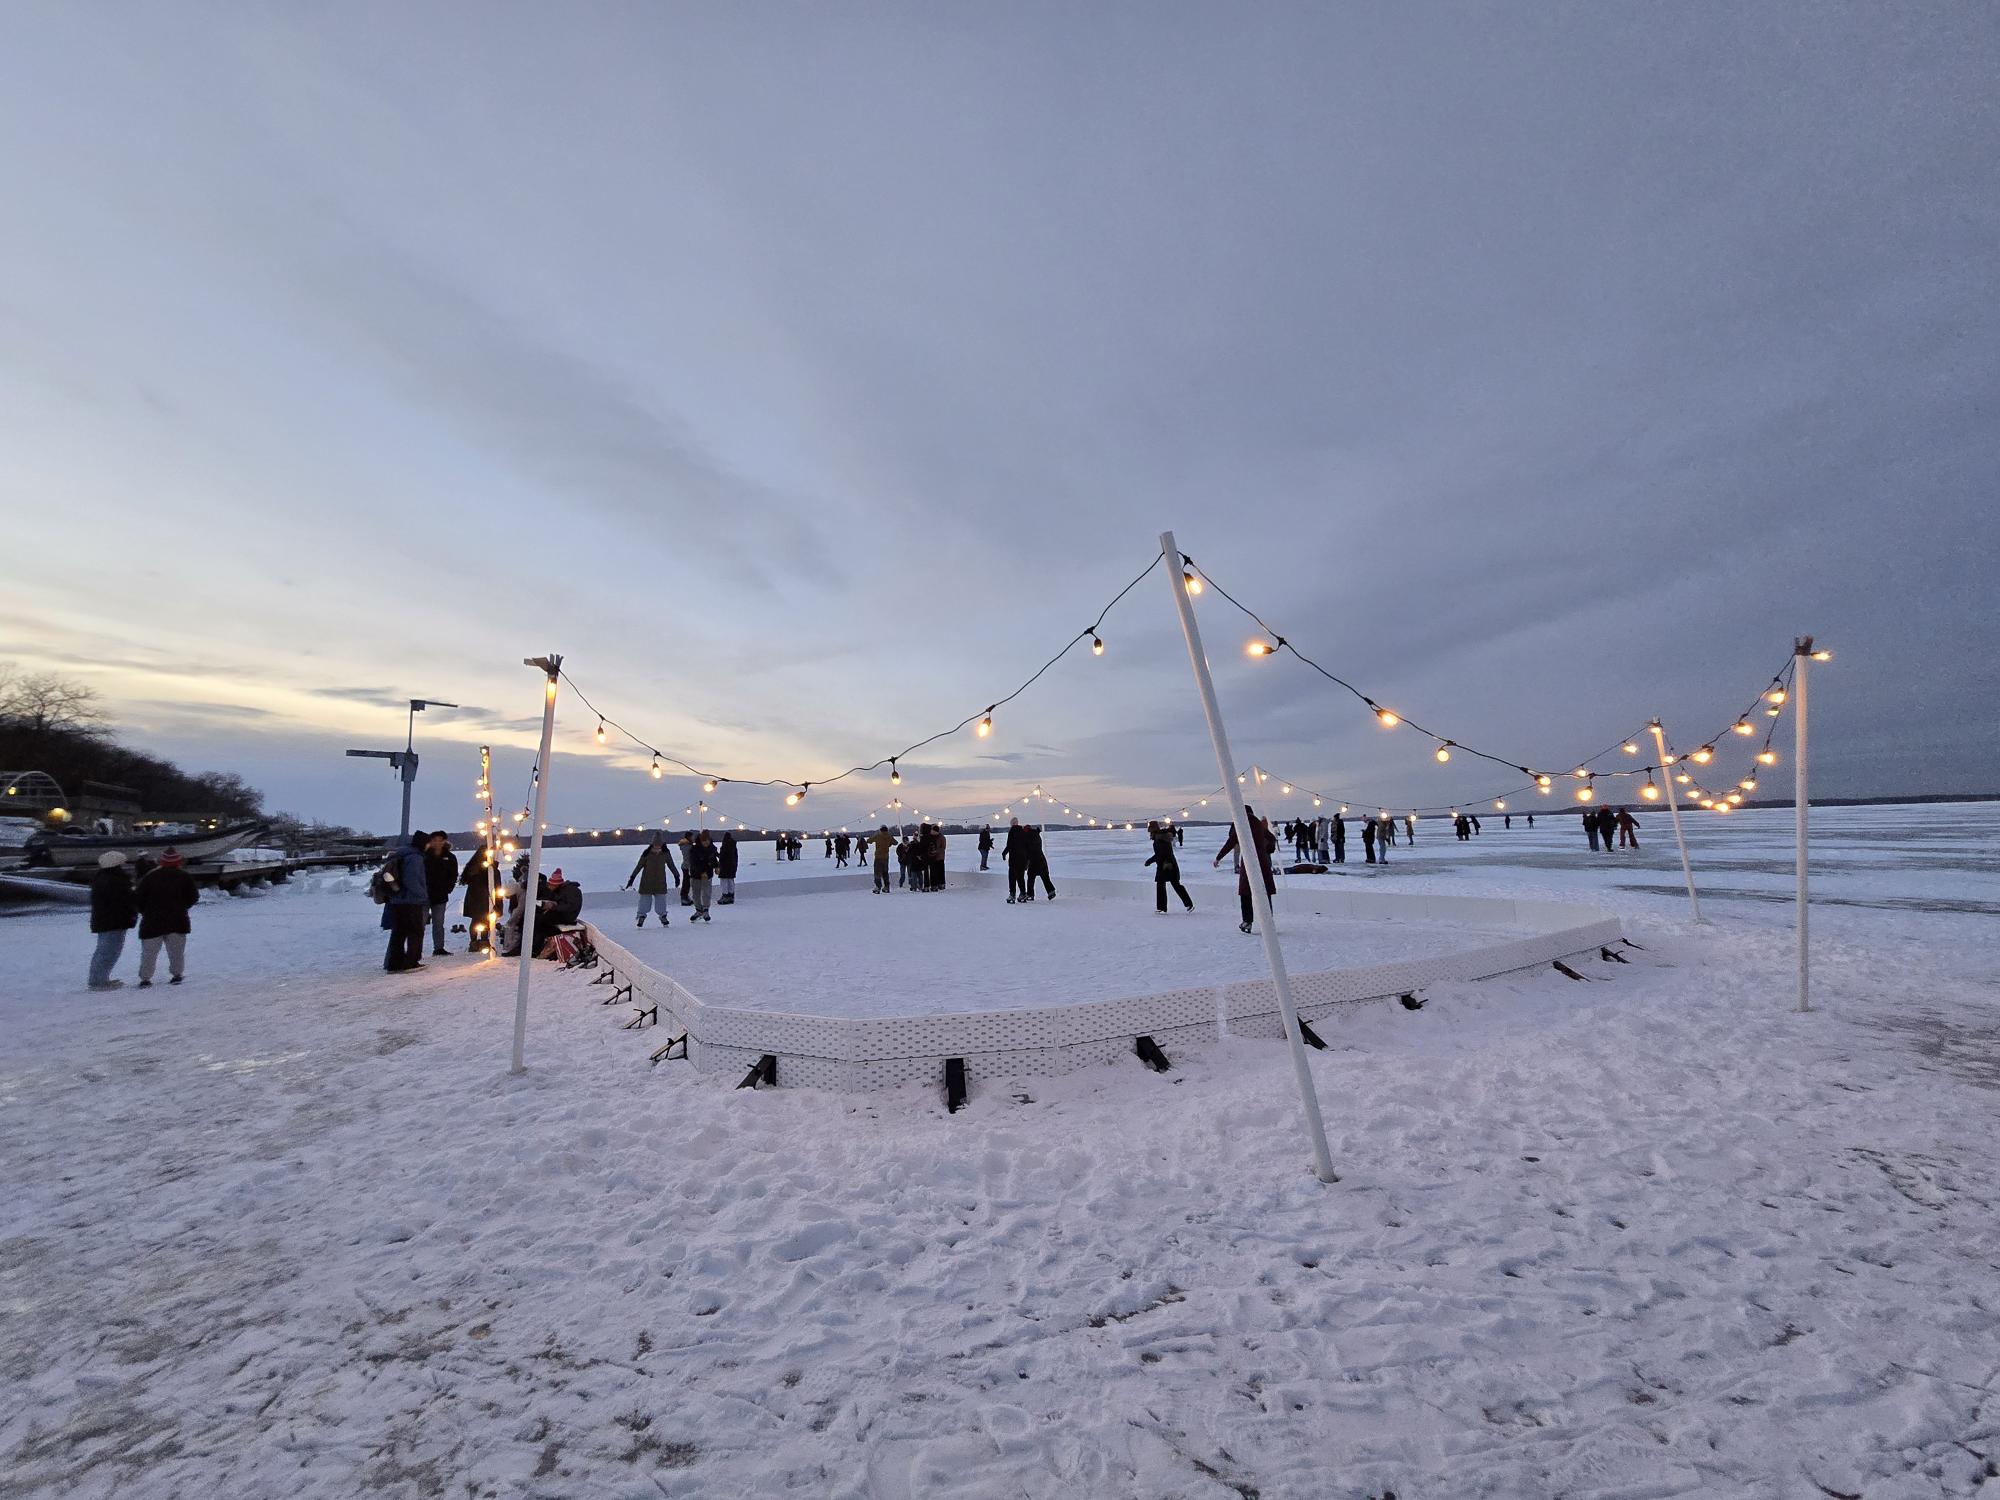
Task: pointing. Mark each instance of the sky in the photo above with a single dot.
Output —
(808, 376)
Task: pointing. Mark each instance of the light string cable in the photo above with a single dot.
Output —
(983, 718)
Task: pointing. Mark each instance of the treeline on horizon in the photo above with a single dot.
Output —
(53, 725)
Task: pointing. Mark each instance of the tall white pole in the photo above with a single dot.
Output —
(1674, 808)
(1246, 846)
(1801, 656)
(551, 666)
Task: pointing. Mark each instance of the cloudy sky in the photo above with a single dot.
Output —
(808, 375)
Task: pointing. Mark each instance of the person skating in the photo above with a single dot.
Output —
(1038, 865)
(1267, 844)
(687, 873)
(840, 847)
(985, 845)
(1607, 829)
(440, 879)
(477, 879)
(113, 912)
(1410, 826)
(654, 869)
(409, 903)
(1628, 829)
(726, 861)
(701, 866)
(164, 898)
(881, 844)
(1014, 853)
(1474, 818)
(1166, 869)
(1590, 827)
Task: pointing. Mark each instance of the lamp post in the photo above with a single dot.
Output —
(404, 760)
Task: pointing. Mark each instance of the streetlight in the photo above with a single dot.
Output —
(405, 759)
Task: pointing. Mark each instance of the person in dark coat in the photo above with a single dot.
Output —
(985, 845)
(1385, 835)
(840, 848)
(701, 865)
(1339, 839)
(1368, 839)
(113, 912)
(477, 908)
(937, 857)
(164, 898)
(1166, 869)
(1267, 845)
(1590, 827)
(881, 844)
(440, 878)
(687, 869)
(1038, 865)
(726, 860)
(560, 906)
(409, 902)
(1628, 829)
(1410, 826)
(1014, 854)
(654, 869)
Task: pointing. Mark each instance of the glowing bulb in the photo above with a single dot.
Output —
(1388, 718)
(792, 798)
(1343, 808)
(1822, 656)
(708, 785)
(1768, 757)
(657, 772)
(1704, 755)
(1096, 644)
(986, 724)
(1650, 792)
(1188, 581)
(1776, 695)
(1748, 783)
(600, 731)
(1584, 794)
(569, 830)
(1630, 748)
(1544, 782)
(1260, 648)
(1315, 804)
(1286, 789)
(1444, 752)
(1499, 804)
(1743, 726)
(895, 776)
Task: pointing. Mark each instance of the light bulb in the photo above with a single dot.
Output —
(600, 731)
(1286, 789)
(708, 785)
(1748, 783)
(1188, 581)
(1650, 792)
(1822, 656)
(1768, 757)
(1499, 804)
(1684, 779)
(1630, 748)
(1444, 752)
(1704, 755)
(1343, 808)
(986, 724)
(1315, 802)
(1776, 695)
(792, 798)
(1096, 644)
(1584, 794)
(1743, 726)
(569, 830)
(1544, 781)
(1260, 648)
(895, 776)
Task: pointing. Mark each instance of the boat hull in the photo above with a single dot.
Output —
(71, 852)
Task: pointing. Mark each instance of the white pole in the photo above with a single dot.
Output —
(551, 666)
(1801, 655)
(1246, 844)
(1674, 807)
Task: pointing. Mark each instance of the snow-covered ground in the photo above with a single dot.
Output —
(292, 1230)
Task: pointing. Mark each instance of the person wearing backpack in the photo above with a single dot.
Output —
(407, 905)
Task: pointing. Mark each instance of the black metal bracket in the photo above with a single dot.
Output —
(763, 1070)
(666, 1053)
(621, 993)
(1611, 957)
(1630, 944)
(1312, 1038)
(641, 1016)
(1150, 1054)
(954, 1084)
(1563, 968)
(1411, 1002)
(609, 976)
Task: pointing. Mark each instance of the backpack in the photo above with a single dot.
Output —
(382, 884)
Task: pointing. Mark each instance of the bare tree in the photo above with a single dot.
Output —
(43, 702)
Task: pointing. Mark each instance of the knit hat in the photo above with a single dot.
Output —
(555, 877)
(110, 860)
(170, 858)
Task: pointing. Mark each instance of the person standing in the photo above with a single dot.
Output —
(1368, 839)
(687, 869)
(1385, 835)
(440, 879)
(1014, 852)
(840, 851)
(477, 908)
(1531, 820)
(403, 915)
(1506, 820)
(701, 866)
(1607, 829)
(985, 845)
(1038, 865)
(1628, 829)
(1339, 839)
(1166, 869)
(725, 868)
(113, 911)
(1267, 844)
(882, 843)
(655, 867)
(1410, 826)
(937, 858)
(1590, 827)
(164, 898)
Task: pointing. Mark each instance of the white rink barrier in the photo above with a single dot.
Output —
(864, 1053)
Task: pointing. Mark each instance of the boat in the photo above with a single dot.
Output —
(72, 851)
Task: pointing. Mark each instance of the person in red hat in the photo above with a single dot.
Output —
(165, 895)
(559, 908)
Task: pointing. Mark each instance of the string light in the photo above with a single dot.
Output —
(1743, 726)
(1767, 756)
(1776, 695)
(1822, 656)
(1544, 781)
(1704, 755)
(895, 776)
(600, 731)
(1096, 644)
(709, 785)
(1499, 804)
(1260, 648)
(1188, 580)
(797, 795)
(1387, 716)
(1443, 751)
(1650, 792)
(657, 772)
(985, 724)
(1630, 748)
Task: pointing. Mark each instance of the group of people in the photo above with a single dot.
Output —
(417, 884)
(157, 904)
(702, 864)
(1603, 825)
(1324, 840)
(1027, 862)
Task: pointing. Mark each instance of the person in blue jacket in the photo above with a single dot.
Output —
(408, 905)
